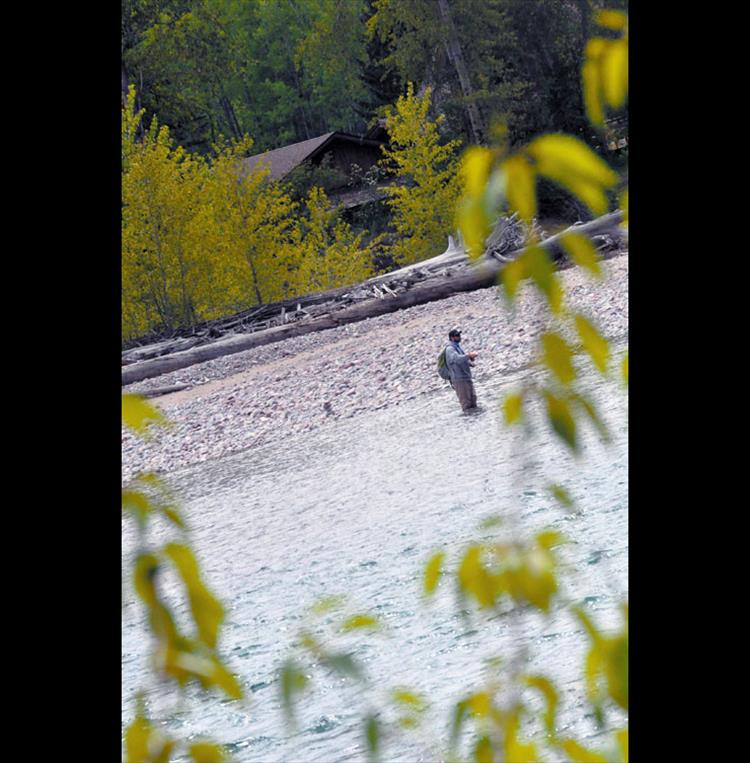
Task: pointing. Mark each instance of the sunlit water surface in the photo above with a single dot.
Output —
(356, 508)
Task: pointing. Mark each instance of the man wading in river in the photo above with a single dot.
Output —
(459, 365)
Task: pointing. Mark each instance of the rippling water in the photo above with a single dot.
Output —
(356, 508)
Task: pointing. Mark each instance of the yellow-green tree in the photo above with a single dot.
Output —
(250, 225)
(423, 200)
(331, 254)
(161, 188)
(201, 238)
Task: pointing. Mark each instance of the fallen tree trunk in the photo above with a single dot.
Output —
(158, 391)
(202, 333)
(481, 275)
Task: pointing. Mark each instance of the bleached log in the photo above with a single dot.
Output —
(158, 391)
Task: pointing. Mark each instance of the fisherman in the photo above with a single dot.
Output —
(459, 365)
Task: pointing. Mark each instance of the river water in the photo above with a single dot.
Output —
(355, 509)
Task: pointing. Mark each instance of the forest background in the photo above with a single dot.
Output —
(208, 82)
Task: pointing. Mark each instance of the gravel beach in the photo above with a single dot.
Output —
(291, 387)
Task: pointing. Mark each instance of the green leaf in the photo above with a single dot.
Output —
(546, 687)
(474, 225)
(616, 669)
(360, 621)
(144, 573)
(432, 572)
(591, 194)
(327, 604)
(561, 420)
(473, 214)
(410, 699)
(513, 408)
(138, 414)
(521, 186)
(558, 357)
(560, 157)
(136, 741)
(625, 368)
(208, 612)
(160, 618)
(622, 742)
(185, 663)
(515, 750)
(590, 410)
(608, 658)
(137, 503)
(587, 623)
(549, 539)
(541, 269)
(617, 21)
(614, 67)
(145, 744)
(536, 583)
(293, 681)
(579, 754)
(225, 680)
(474, 579)
(511, 276)
(162, 755)
(206, 752)
(476, 164)
(160, 497)
(582, 251)
(372, 735)
(173, 515)
(592, 86)
(490, 522)
(624, 196)
(479, 704)
(460, 714)
(483, 751)
(593, 342)
(343, 663)
(412, 703)
(571, 163)
(562, 495)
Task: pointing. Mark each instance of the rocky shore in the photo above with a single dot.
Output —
(294, 386)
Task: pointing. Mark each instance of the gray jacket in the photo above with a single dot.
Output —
(459, 365)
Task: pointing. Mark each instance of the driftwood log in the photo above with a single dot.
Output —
(481, 275)
(286, 311)
(158, 391)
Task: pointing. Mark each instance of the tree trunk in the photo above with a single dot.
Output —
(456, 56)
(234, 124)
(124, 83)
(158, 391)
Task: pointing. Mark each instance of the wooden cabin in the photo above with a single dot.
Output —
(340, 151)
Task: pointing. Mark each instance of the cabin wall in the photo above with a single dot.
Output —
(344, 155)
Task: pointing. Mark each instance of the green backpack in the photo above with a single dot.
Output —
(442, 366)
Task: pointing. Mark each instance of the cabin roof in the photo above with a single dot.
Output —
(281, 161)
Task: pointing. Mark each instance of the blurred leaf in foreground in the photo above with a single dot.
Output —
(138, 415)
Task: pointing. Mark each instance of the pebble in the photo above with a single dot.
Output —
(284, 389)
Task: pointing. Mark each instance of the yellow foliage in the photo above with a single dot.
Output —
(605, 70)
(201, 239)
(423, 202)
(160, 187)
(331, 254)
